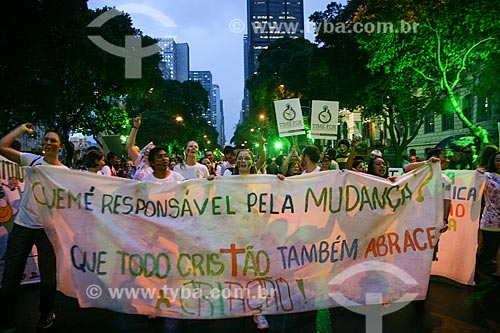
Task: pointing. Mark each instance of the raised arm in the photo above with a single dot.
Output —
(411, 166)
(6, 141)
(132, 152)
(262, 153)
(350, 158)
(284, 166)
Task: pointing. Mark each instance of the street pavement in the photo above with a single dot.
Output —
(450, 307)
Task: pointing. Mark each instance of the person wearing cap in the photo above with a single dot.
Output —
(325, 163)
(375, 153)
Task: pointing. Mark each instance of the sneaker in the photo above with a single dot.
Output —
(261, 322)
(46, 321)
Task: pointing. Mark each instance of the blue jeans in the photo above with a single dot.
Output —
(19, 245)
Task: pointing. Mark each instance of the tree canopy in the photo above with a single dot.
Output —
(54, 76)
(454, 43)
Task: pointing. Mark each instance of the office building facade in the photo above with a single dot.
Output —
(268, 21)
(174, 59)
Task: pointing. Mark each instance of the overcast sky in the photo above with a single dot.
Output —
(214, 31)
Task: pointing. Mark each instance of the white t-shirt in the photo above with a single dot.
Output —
(28, 214)
(490, 220)
(108, 171)
(446, 187)
(192, 171)
(318, 169)
(172, 177)
(142, 169)
(227, 169)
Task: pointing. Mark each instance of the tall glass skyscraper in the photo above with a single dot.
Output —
(268, 20)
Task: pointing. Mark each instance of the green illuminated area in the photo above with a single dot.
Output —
(438, 80)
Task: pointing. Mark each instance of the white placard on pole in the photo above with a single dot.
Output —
(289, 117)
(324, 118)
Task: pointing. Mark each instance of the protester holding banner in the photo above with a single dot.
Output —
(28, 231)
(437, 155)
(159, 161)
(140, 158)
(245, 165)
(490, 219)
(379, 166)
(290, 166)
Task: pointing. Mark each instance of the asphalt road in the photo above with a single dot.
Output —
(449, 308)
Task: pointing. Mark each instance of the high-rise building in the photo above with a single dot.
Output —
(217, 114)
(168, 58)
(205, 79)
(268, 20)
(174, 62)
(214, 113)
(182, 65)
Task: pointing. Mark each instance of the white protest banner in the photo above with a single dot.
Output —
(239, 245)
(458, 245)
(324, 119)
(289, 117)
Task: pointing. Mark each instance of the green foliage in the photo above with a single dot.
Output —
(160, 107)
(454, 45)
(55, 76)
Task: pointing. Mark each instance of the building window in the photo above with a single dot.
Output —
(447, 121)
(467, 106)
(483, 109)
(429, 123)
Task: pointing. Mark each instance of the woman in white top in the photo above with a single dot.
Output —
(28, 231)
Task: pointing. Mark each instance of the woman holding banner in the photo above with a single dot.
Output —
(245, 165)
(28, 231)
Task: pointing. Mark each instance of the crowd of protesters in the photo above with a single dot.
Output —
(154, 163)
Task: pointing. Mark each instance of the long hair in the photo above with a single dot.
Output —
(92, 156)
(484, 158)
(371, 167)
(491, 164)
(253, 170)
